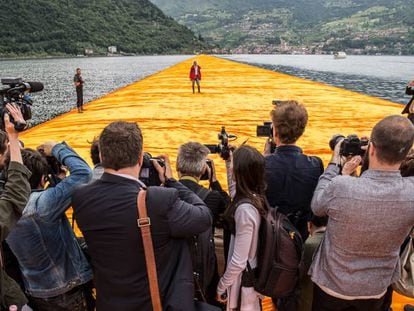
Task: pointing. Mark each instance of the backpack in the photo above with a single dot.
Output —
(279, 257)
(203, 255)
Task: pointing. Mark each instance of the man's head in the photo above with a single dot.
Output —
(191, 159)
(120, 145)
(391, 140)
(195, 63)
(289, 121)
(95, 151)
(37, 165)
(78, 71)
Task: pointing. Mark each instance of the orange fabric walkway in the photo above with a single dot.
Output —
(235, 95)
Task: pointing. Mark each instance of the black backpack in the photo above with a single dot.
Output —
(279, 257)
(203, 255)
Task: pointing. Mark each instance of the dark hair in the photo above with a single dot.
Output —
(36, 164)
(393, 138)
(249, 176)
(289, 119)
(120, 145)
(407, 166)
(319, 221)
(95, 151)
(4, 139)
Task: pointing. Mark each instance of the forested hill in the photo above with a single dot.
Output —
(358, 26)
(68, 27)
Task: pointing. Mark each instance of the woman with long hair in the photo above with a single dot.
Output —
(247, 187)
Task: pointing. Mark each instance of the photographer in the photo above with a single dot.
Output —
(12, 201)
(53, 265)
(409, 90)
(191, 165)
(106, 212)
(291, 176)
(369, 218)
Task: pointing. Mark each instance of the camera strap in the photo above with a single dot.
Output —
(144, 224)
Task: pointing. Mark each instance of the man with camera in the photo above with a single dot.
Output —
(192, 166)
(12, 202)
(291, 176)
(55, 271)
(409, 108)
(369, 218)
(106, 212)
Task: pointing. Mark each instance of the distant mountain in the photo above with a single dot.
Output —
(357, 26)
(62, 27)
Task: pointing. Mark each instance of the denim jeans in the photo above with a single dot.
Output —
(78, 299)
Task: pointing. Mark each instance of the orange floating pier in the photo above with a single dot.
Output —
(234, 95)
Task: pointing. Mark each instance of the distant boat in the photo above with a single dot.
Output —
(339, 55)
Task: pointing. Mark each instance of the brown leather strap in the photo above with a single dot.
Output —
(144, 224)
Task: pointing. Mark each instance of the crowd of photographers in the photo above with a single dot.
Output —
(352, 218)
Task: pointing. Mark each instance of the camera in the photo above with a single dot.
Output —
(266, 130)
(351, 145)
(14, 91)
(54, 169)
(205, 175)
(148, 174)
(222, 148)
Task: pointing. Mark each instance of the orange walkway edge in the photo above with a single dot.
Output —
(234, 95)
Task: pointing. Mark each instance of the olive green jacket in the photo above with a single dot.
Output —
(12, 202)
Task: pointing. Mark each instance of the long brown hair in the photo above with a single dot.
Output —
(249, 175)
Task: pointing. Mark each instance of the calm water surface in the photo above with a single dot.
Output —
(381, 76)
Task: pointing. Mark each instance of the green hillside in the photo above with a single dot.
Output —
(317, 26)
(67, 27)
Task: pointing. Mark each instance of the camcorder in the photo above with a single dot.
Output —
(148, 174)
(222, 148)
(14, 91)
(351, 145)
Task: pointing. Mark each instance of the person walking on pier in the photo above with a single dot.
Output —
(195, 75)
(78, 80)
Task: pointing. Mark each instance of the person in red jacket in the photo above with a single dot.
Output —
(195, 75)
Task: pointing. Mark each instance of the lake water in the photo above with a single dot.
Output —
(381, 76)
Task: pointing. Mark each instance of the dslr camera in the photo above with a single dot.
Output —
(351, 145)
(14, 91)
(222, 148)
(148, 174)
(205, 175)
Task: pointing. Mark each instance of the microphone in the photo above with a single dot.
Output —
(31, 87)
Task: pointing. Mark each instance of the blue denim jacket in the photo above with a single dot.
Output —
(43, 241)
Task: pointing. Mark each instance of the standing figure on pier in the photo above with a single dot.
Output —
(78, 80)
(409, 108)
(195, 75)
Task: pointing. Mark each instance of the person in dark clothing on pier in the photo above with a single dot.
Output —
(79, 82)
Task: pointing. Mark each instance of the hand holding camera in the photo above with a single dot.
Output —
(164, 172)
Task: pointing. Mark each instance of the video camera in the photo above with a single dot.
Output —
(148, 174)
(222, 148)
(14, 90)
(351, 145)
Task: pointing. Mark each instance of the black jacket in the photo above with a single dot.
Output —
(291, 178)
(408, 91)
(106, 213)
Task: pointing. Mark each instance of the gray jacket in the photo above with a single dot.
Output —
(369, 218)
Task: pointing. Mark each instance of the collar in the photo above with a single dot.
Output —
(124, 177)
(191, 178)
(380, 174)
(288, 149)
